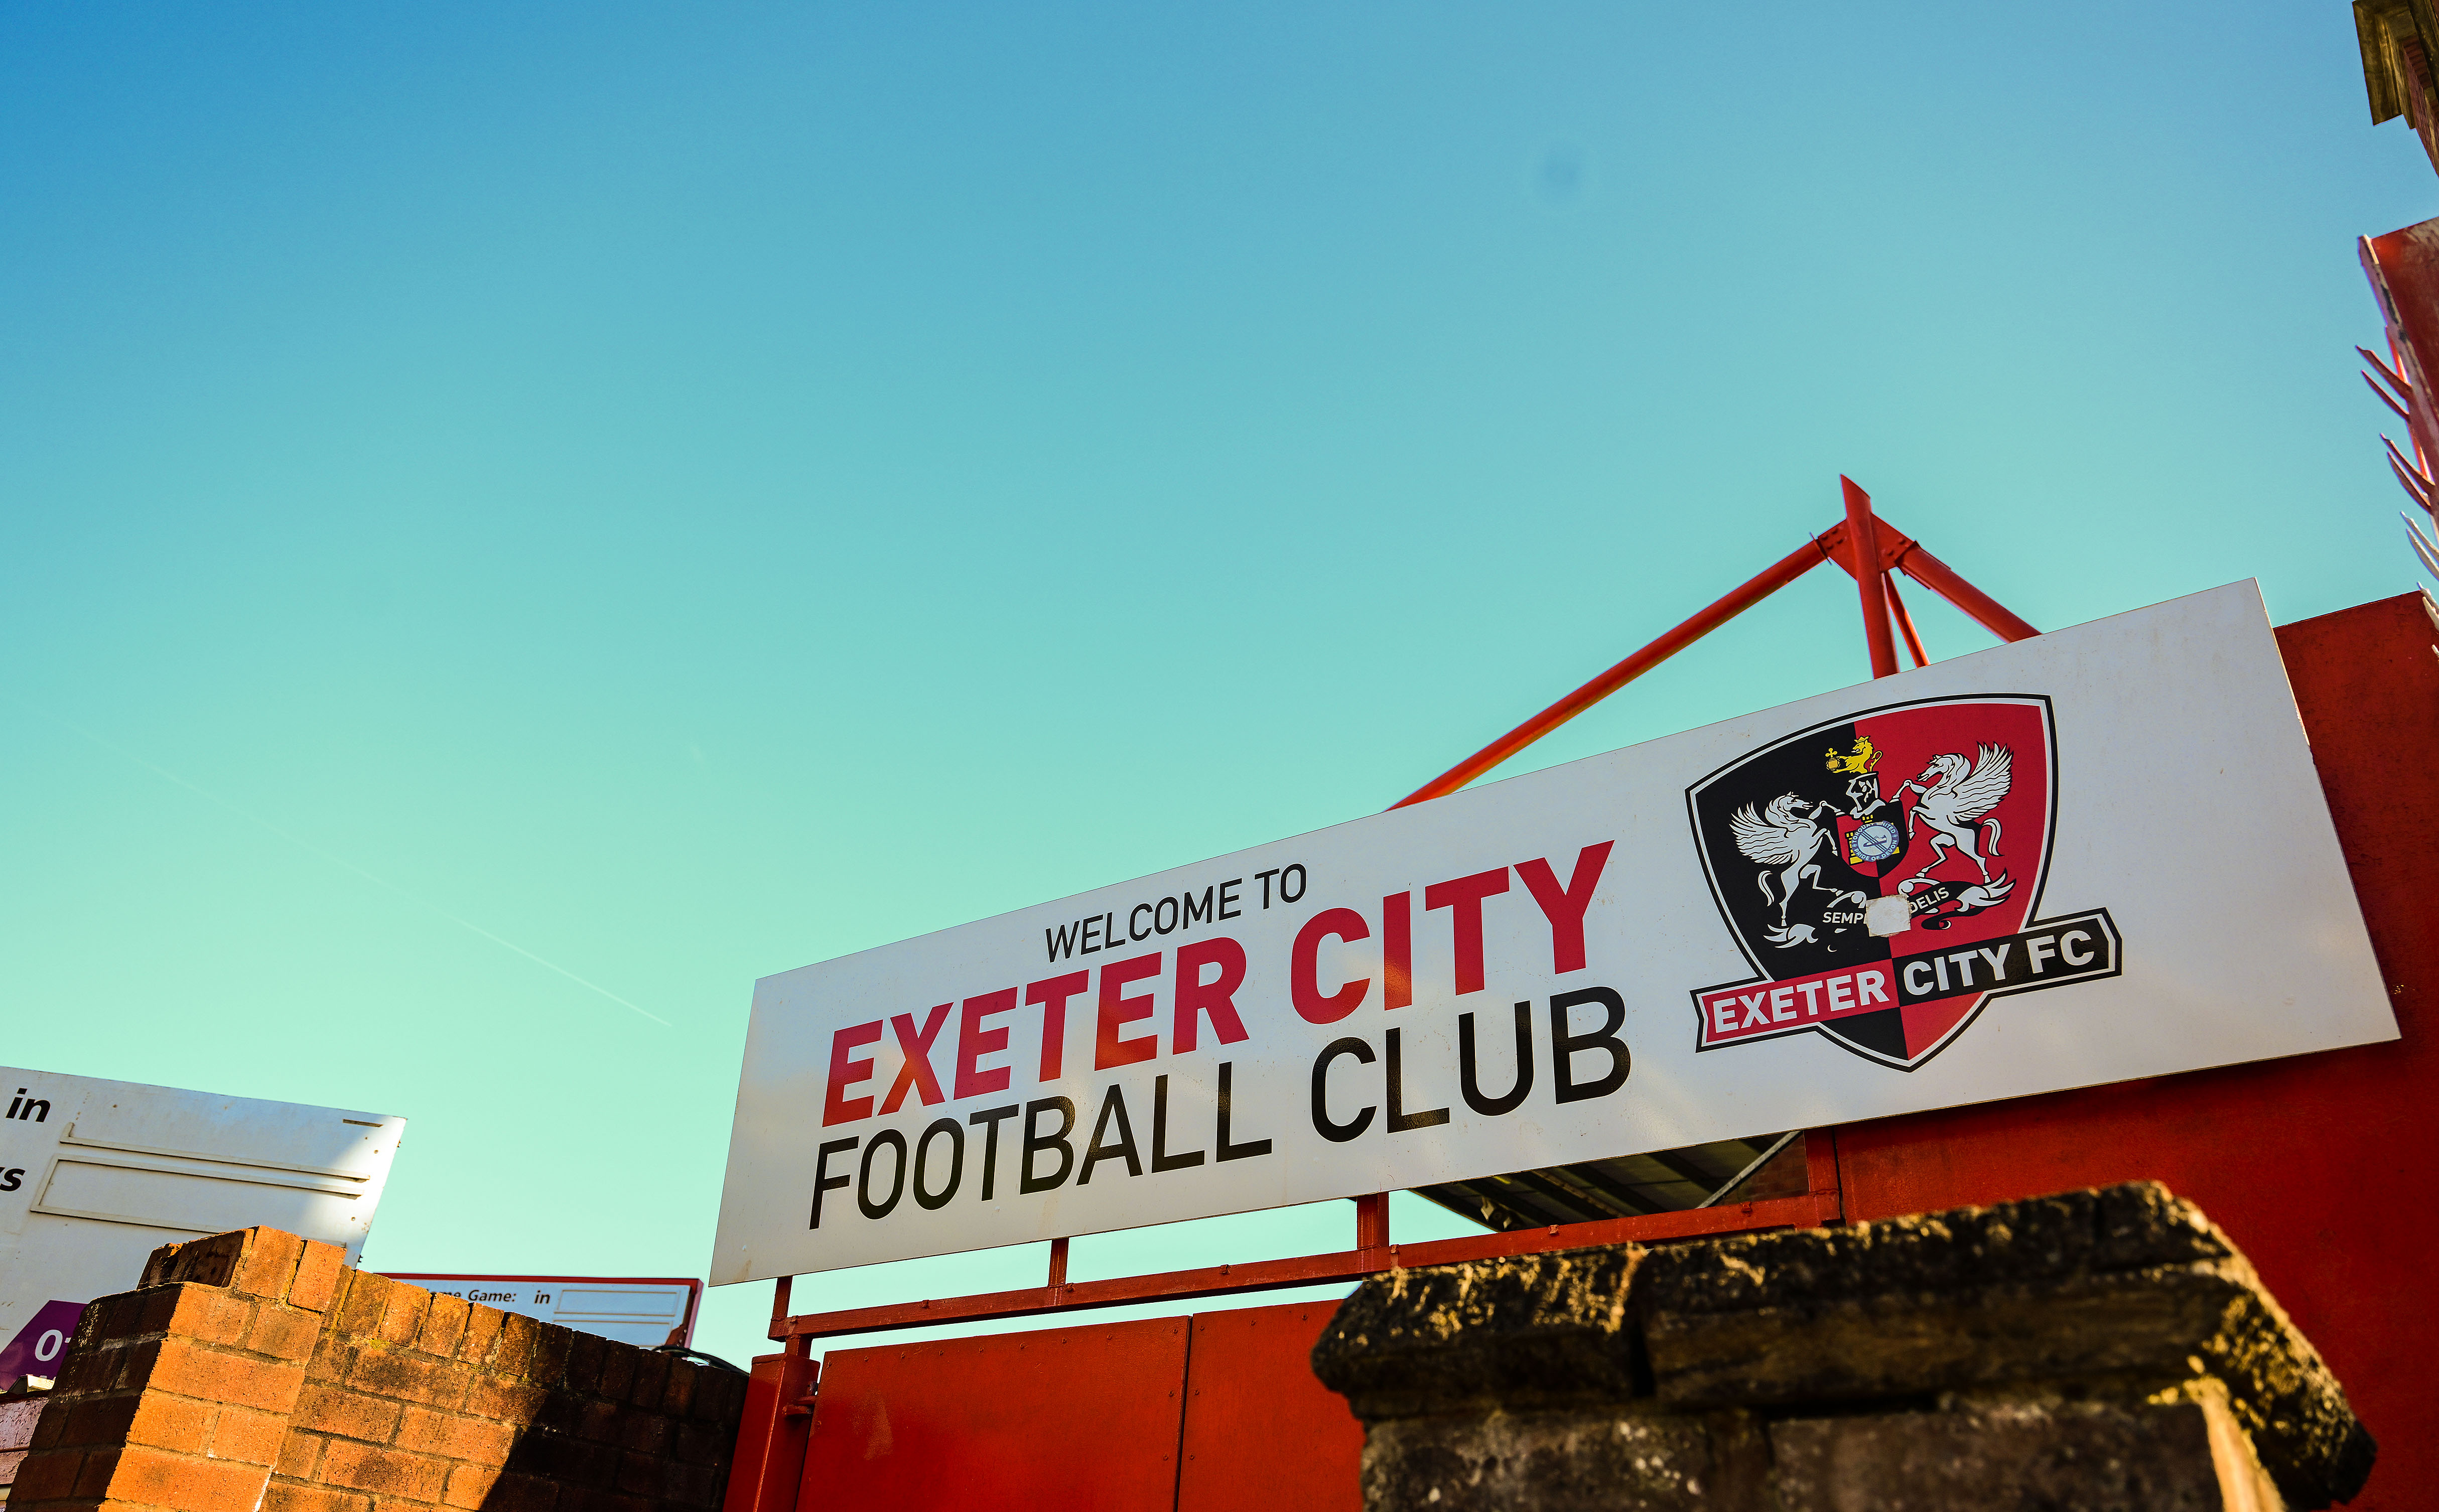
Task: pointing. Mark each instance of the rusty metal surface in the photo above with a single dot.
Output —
(1082, 1420)
(1261, 1431)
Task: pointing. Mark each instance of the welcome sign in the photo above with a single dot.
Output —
(2096, 855)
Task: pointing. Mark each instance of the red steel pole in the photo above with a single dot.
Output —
(1870, 580)
(1788, 568)
(1941, 579)
(1905, 624)
(1372, 1222)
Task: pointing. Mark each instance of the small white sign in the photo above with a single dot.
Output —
(96, 1175)
(2095, 855)
(646, 1311)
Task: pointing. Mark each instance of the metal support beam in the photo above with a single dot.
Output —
(1372, 1222)
(1871, 581)
(1786, 570)
(1315, 1270)
(1757, 1163)
(1943, 580)
(779, 1307)
(1905, 622)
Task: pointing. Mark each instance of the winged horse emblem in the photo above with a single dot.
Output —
(1786, 838)
(1953, 801)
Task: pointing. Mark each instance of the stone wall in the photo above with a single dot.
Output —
(253, 1370)
(2097, 1349)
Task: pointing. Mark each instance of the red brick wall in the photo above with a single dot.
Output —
(254, 1370)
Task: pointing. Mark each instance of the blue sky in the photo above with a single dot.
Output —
(691, 491)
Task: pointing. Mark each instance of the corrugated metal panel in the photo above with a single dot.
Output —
(1667, 1181)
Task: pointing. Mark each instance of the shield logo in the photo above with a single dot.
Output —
(1881, 873)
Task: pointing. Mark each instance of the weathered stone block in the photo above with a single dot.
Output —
(2094, 1349)
(2128, 1280)
(1568, 1460)
(2184, 1455)
(1535, 1328)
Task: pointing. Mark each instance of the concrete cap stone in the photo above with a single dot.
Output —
(2125, 1290)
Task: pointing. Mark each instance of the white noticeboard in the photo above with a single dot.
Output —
(640, 1310)
(96, 1175)
(2095, 855)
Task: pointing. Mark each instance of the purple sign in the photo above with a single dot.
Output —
(38, 1347)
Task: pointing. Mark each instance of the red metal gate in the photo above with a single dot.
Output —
(1216, 1413)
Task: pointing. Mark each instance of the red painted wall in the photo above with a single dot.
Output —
(2324, 1168)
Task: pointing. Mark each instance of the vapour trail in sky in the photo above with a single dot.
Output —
(344, 864)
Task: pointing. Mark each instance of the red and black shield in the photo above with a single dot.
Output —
(1881, 873)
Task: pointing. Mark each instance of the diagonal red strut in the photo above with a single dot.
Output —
(1895, 550)
(1372, 1252)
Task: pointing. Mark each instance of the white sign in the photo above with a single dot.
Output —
(96, 1175)
(2095, 855)
(641, 1310)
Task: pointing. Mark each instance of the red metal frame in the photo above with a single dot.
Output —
(1807, 1211)
(1886, 549)
(1872, 586)
(1895, 550)
(1905, 623)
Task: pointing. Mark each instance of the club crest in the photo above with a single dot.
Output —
(1882, 873)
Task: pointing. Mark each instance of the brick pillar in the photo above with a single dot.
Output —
(178, 1394)
(254, 1371)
